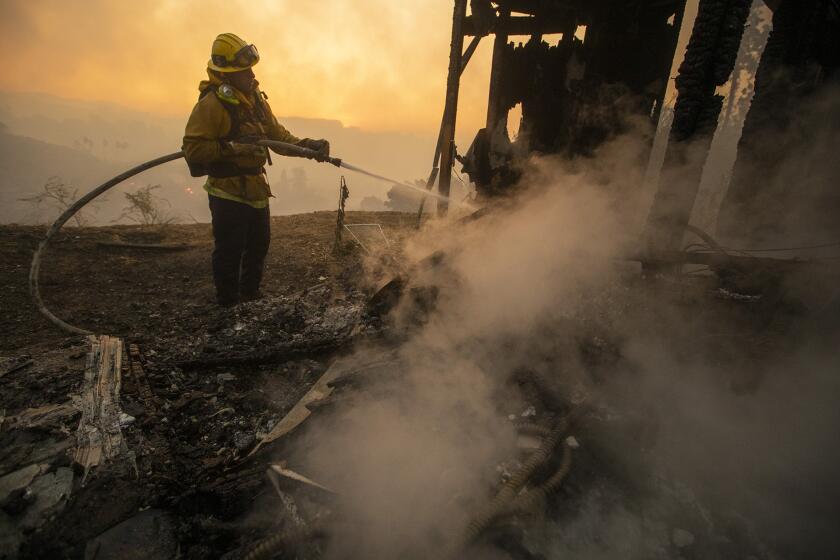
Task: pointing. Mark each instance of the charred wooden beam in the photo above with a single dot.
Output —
(801, 60)
(709, 60)
(450, 111)
(679, 16)
(430, 182)
(717, 260)
(300, 412)
(99, 437)
(276, 354)
(483, 16)
(494, 100)
(470, 50)
(586, 6)
(520, 25)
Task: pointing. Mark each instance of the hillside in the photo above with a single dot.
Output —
(26, 164)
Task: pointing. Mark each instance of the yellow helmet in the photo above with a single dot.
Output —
(232, 54)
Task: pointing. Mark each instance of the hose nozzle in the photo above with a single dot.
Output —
(292, 150)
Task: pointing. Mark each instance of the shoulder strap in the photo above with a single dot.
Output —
(232, 110)
(203, 93)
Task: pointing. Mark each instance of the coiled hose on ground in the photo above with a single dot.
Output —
(506, 499)
(35, 268)
(533, 429)
(528, 500)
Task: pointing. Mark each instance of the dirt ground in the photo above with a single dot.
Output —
(137, 292)
(201, 386)
(191, 418)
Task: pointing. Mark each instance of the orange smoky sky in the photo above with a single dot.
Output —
(375, 64)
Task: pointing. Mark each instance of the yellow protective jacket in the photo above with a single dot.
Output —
(209, 127)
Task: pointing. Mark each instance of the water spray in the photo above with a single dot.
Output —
(293, 150)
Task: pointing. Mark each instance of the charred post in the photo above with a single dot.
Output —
(450, 112)
(433, 174)
(709, 60)
(499, 45)
(800, 62)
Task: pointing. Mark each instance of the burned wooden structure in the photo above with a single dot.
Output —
(799, 63)
(799, 67)
(583, 71)
(578, 69)
(709, 61)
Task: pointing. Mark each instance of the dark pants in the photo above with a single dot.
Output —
(242, 234)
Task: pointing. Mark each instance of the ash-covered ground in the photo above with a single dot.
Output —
(628, 417)
(215, 379)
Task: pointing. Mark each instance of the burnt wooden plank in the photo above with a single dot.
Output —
(99, 437)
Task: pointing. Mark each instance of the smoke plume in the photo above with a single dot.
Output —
(731, 408)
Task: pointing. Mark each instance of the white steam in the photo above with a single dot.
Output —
(413, 455)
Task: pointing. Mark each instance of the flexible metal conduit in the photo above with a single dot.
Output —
(35, 268)
(503, 500)
(530, 499)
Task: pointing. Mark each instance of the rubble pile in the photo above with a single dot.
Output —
(204, 419)
(207, 419)
(39, 413)
(191, 408)
(583, 482)
(311, 322)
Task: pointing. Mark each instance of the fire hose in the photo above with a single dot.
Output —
(281, 148)
(35, 268)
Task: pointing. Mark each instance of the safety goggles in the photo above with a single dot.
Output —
(245, 57)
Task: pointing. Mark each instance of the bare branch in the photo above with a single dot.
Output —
(145, 208)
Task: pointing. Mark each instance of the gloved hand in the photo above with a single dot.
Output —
(320, 146)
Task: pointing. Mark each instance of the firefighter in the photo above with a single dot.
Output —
(231, 113)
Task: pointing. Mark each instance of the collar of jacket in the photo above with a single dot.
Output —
(215, 81)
